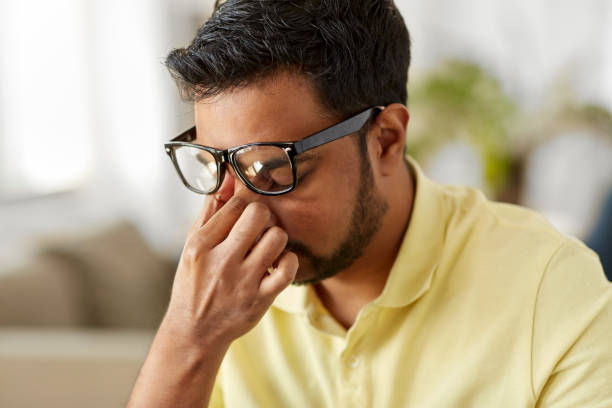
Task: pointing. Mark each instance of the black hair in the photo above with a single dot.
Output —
(355, 53)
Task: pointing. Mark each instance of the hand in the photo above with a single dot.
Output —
(222, 287)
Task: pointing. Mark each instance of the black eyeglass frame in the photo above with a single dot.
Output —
(292, 149)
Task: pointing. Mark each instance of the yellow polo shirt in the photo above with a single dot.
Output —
(486, 306)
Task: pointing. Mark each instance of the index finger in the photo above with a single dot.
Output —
(218, 226)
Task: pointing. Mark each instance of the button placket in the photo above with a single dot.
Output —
(352, 359)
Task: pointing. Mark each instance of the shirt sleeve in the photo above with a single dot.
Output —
(572, 332)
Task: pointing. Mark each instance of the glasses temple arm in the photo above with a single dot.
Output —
(186, 136)
(350, 125)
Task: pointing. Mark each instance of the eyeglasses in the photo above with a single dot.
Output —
(266, 168)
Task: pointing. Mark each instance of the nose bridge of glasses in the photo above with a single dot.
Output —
(227, 184)
(227, 168)
(224, 164)
(232, 184)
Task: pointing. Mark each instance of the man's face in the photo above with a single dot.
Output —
(335, 209)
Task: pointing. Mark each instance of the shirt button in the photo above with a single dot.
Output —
(354, 362)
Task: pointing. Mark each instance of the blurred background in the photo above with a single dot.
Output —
(513, 98)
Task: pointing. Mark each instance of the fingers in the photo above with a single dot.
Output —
(251, 224)
(210, 206)
(218, 226)
(267, 250)
(281, 277)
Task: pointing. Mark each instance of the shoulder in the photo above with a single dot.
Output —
(572, 328)
(548, 288)
(497, 234)
(511, 251)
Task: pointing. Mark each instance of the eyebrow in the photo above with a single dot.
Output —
(306, 156)
(298, 159)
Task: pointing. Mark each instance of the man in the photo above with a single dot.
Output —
(406, 292)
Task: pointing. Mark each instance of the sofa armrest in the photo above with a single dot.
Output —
(70, 367)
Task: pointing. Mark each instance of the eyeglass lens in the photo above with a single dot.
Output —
(198, 167)
(265, 168)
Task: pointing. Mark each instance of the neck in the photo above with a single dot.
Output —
(345, 294)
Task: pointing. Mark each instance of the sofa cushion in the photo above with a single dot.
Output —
(125, 283)
(43, 293)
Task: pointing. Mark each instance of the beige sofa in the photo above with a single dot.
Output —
(77, 320)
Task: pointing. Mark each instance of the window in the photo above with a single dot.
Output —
(45, 123)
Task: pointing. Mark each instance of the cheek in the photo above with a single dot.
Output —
(320, 216)
(319, 228)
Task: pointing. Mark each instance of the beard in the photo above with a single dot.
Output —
(367, 215)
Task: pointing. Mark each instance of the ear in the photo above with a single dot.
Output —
(386, 144)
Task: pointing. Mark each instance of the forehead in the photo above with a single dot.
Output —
(279, 109)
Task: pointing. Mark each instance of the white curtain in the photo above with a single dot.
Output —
(85, 106)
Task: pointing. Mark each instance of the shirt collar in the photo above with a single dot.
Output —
(413, 270)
